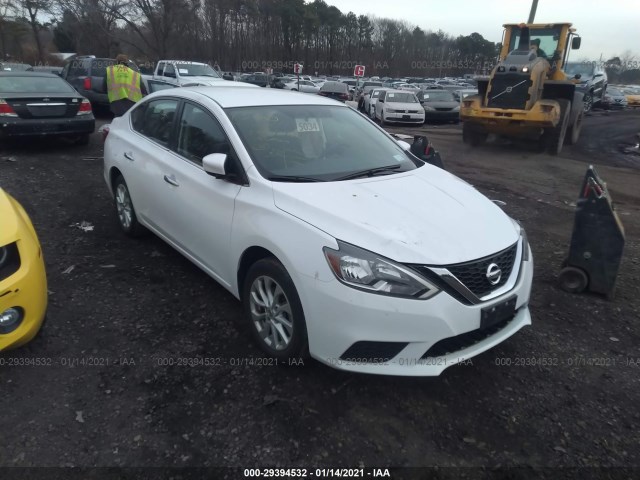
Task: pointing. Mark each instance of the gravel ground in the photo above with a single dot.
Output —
(562, 393)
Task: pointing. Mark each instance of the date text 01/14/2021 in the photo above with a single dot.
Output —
(317, 473)
(223, 361)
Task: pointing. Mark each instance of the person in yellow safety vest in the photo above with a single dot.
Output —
(124, 86)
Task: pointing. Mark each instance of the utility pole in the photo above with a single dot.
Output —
(532, 14)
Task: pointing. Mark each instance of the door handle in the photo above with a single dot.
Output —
(128, 156)
(171, 180)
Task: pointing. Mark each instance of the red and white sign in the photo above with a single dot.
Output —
(297, 68)
(358, 71)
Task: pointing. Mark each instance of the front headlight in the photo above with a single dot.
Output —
(364, 270)
(428, 108)
(457, 109)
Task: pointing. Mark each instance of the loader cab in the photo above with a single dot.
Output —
(554, 39)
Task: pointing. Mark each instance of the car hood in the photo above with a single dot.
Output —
(423, 216)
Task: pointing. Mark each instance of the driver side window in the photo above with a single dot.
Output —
(200, 134)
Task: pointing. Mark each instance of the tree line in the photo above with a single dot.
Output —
(238, 35)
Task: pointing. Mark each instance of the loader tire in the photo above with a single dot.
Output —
(554, 137)
(473, 136)
(573, 132)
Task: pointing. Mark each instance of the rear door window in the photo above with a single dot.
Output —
(158, 120)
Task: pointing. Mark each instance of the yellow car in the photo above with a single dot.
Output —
(23, 281)
(633, 97)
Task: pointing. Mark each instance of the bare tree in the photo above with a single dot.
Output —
(32, 9)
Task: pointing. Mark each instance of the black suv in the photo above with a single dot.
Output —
(593, 81)
(88, 75)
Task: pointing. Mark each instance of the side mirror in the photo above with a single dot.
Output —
(575, 43)
(599, 74)
(381, 100)
(214, 164)
(404, 145)
(577, 76)
(170, 74)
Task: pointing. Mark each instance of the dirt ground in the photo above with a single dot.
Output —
(120, 307)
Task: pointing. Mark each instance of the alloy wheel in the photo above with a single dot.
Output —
(123, 205)
(271, 313)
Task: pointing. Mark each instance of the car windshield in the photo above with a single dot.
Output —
(314, 142)
(584, 69)
(400, 97)
(614, 91)
(193, 69)
(35, 84)
(439, 96)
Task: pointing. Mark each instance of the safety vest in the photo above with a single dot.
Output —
(123, 82)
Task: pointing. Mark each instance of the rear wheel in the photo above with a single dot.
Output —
(553, 138)
(472, 135)
(83, 139)
(127, 218)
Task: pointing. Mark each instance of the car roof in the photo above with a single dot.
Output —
(28, 74)
(232, 96)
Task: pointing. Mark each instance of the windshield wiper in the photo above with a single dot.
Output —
(293, 178)
(370, 172)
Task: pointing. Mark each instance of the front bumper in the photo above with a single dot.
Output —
(543, 114)
(404, 117)
(339, 317)
(26, 289)
(448, 116)
(16, 127)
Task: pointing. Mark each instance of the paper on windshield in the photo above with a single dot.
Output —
(183, 71)
(307, 125)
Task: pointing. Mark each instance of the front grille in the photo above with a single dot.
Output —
(464, 340)
(444, 109)
(373, 351)
(473, 275)
(510, 90)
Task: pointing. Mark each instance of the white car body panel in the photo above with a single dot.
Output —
(423, 216)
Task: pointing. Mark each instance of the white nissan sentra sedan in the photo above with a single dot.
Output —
(354, 252)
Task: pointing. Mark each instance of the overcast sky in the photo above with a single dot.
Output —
(607, 27)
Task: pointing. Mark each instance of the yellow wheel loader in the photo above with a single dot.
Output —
(528, 93)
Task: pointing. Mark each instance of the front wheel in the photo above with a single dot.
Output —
(553, 138)
(473, 136)
(588, 102)
(273, 311)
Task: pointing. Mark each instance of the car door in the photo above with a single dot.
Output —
(141, 152)
(195, 210)
(380, 104)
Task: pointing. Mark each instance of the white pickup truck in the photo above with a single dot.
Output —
(185, 72)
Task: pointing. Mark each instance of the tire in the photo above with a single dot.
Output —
(587, 102)
(361, 105)
(125, 212)
(472, 136)
(553, 138)
(267, 289)
(573, 132)
(383, 122)
(573, 280)
(83, 139)
(372, 113)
